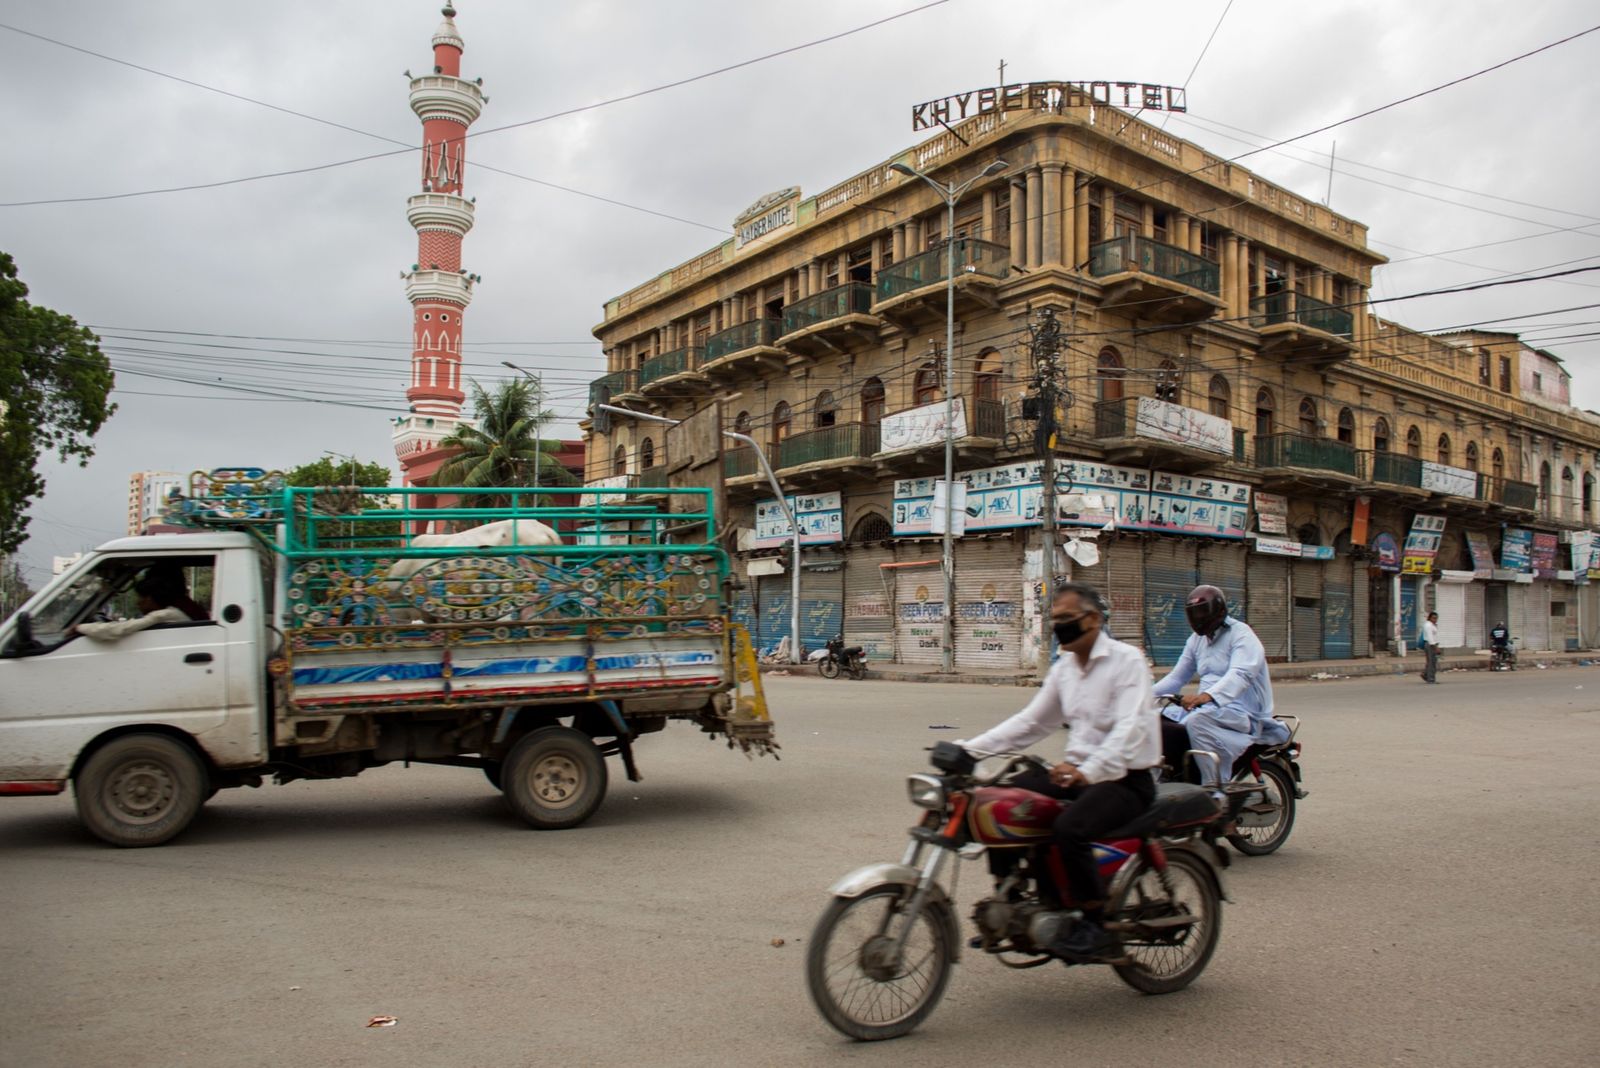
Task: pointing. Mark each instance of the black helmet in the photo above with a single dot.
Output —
(1206, 609)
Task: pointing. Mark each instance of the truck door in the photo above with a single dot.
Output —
(67, 689)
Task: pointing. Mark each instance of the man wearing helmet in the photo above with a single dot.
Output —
(1233, 708)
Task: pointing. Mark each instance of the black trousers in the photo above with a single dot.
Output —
(1175, 750)
(1095, 809)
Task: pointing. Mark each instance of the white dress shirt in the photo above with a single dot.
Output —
(1430, 632)
(1106, 706)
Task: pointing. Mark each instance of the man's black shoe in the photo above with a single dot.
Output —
(1087, 943)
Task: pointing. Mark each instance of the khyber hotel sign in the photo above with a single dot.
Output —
(1047, 96)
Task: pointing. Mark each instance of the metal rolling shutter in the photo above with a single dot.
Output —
(1589, 615)
(1538, 615)
(1450, 601)
(742, 608)
(1361, 610)
(868, 618)
(1477, 636)
(1517, 614)
(1564, 616)
(1307, 611)
(772, 610)
(1124, 588)
(1268, 592)
(1338, 622)
(1169, 575)
(918, 617)
(989, 592)
(821, 599)
(1222, 564)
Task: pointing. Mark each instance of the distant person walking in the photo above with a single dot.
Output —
(1430, 648)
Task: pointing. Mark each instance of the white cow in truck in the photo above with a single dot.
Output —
(503, 532)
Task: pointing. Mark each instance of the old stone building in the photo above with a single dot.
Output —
(1237, 415)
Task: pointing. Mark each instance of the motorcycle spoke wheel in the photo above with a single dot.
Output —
(1277, 790)
(859, 984)
(1164, 957)
(829, 668)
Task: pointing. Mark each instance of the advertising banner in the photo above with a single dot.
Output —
(1516, 549)
(918, 428)
(1544, 555)
(1272, 513)
(1183, 426)
(820, 515)
(1452, 480)
(1482, 558)
(1422, 544)
(1586, 553)
(1285, 547)
(1387, 551)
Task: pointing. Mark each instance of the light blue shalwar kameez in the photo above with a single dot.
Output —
(1232, 666)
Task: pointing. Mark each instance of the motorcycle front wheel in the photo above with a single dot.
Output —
(1170, 927)
(1276, 814)
(829, 667)
(860, 985)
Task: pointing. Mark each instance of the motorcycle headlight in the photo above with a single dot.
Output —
(926, 791)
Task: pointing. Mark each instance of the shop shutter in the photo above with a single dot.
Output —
(1222, 564)
(1477, 636)
(821, 598)
(1410, 617)
(1306, 576)
(1517, 614)
(868, 615)
(1360, 609)
(1338, 610)
(1450, 601)
(1169, 575)
(1563, 616)
(989, 592)
(1124, 588)
(918, 604)
(1538, 615)
(1267, 589)
(772, 610)
(1589, 615)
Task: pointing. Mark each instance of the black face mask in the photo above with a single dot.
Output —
(1069, 631)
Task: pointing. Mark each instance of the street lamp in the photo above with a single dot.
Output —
(950, 192)
(538, 404)
(783, 502)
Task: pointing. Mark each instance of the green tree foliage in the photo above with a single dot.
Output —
(333, 470)
(505, 449)
(14, 589)
(366, 532)
(54, 385)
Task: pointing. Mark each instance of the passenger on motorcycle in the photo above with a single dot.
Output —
(1499, 636)
(1100, 690)
(1233, 708)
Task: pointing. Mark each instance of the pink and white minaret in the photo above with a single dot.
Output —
(437, 286)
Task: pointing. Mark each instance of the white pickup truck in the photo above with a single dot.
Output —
(308, 650)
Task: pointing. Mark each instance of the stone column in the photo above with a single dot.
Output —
(1242, 277)
(1035, 184)
(1197, 234)
(899, 249)
(1291, 279)
(1147, 225)
(1108, 214)
(802, 281)
(1180, 230)
(1080, 215)
(1019, 228)
(990, 205)
(815, 273)
(913, 238)
(1230, 270)
(1069, 218)
(1050, 247)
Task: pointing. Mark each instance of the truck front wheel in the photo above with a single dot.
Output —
(140, 789)
(554, 777)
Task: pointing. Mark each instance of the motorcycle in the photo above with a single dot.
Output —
(1502, 658)
(1261, 796)
(880, 955)
(834, 657)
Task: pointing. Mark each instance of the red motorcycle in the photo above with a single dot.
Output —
(880, 955)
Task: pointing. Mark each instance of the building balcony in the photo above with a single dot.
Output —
(1297, 461)
(608, 388)
(1293, 324)
(743, 349)
(650, 481)
(914, 290)
(452, 287)
(1394, 472)
(1508, 493)
(912, 440)
(675, 373)
(440, 211)
(827, 452)
(1164, 282)
(1143, 430)
(836, 320)
(442, 96)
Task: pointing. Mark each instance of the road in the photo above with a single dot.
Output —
(1434, 906)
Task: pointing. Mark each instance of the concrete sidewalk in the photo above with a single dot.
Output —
(1318, 670)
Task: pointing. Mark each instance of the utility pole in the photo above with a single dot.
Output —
(1044, 348)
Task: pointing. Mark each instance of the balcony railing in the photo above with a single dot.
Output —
(852, 298)
(1397, 470)
(1133, 253)
(611, 385)
(1276, 308)
(654, 477)
(1317, 454)
(980, 257)
(844, 442)
(746, 335)
(737, 463)
(667, 364)
(1512, 494)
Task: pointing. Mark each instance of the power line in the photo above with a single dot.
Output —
(1203, 50)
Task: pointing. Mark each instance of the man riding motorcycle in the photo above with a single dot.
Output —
(1500, 644)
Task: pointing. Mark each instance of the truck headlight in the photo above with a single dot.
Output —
(926, 791)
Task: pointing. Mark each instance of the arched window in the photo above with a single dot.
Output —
(1472, 456)
(1220, 400)
(1497, 464)
(647, 454)
(871, 527)
(619, 461)
(1544, 487)
(1380, 435)
(1569, 495)
(1308, 417)
(782, 421)
(1308, 534)
(1414, 442)
(986, 376)
(1111, 373)
(826, 412)
(1266, 409)
(1588, 494)
(872, 402)
(925, 388)
(741, 423)
(1347, 426)
(1444, 449)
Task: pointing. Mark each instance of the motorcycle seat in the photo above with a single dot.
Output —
(1177, 804)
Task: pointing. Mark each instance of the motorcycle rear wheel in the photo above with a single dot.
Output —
(859, 990)
(1165, 959)
(858, 670)
(829, 667)
(1278, 788)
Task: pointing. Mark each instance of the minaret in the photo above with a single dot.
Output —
(437, 286)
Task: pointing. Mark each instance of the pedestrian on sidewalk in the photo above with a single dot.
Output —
(1430, 648)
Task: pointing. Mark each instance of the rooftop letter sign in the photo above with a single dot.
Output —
(1048, 96)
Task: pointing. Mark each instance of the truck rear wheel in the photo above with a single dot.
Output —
(140, 789)
(554, 777)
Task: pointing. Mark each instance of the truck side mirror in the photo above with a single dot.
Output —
(22, 641)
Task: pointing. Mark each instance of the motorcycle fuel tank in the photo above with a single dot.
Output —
(1007, 815)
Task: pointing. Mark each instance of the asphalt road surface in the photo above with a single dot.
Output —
(1435, 905)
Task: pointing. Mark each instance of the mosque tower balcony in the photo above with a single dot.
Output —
(443, 96)
(440, 211)
(454, 287)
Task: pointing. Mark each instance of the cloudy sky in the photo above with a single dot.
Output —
(221, 306)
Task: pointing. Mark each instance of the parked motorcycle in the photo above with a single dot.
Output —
(881, 953)
(1502, 658)
(834, 657)
(1262, 794)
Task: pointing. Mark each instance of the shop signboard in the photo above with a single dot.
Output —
(1516, 549)
(1272, 513)
(1586, 553)
(1422, 544)
(587, 500)
(1544, 555)
(1299, 550)
(1191, 427)
(1452, 480)
(820, 515)
(918, 428)
(1482, 558)
(1387, 551)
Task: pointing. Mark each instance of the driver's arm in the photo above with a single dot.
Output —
(1181, 672)
(1041, 716)
(110, 632)
(1247, 659)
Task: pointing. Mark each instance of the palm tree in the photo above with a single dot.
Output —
(505, 448)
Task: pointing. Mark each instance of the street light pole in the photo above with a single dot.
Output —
(950, 192)
(538, 425)
(783, 503)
